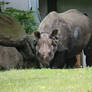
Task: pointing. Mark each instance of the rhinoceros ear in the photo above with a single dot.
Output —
(37, 34)
(54, 32)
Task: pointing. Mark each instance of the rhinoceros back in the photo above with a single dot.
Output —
(79, 29)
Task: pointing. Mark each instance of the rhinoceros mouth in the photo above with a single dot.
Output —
(46, 65)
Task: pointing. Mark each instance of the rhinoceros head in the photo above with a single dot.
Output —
(46, 46)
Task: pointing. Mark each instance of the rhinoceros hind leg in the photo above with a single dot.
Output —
(88, 53)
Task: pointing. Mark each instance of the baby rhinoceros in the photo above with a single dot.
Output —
(61, 36)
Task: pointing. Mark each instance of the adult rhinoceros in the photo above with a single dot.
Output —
(61, 36)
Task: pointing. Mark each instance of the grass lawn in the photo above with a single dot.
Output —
(46, 80)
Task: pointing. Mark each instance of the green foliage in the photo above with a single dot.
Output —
(3, 3)
(46, 80)
(26, 18)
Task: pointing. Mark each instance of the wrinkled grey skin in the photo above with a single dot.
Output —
(67, 33)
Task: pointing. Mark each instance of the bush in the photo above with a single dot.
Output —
(26, 18)
(3, 3)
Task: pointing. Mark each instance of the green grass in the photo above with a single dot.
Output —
(46, 80)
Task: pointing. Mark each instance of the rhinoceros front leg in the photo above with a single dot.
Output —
(70, 62)
(58, 61)
(61, 61)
